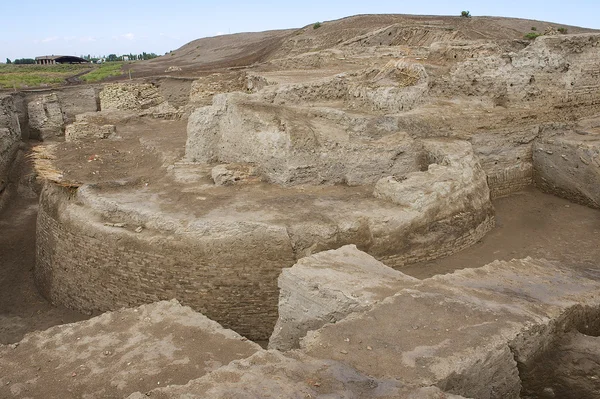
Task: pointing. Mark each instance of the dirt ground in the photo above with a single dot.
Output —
(244, 49)
(22, 308)
(529, 223)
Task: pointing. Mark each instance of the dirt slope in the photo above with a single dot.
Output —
(243, 49)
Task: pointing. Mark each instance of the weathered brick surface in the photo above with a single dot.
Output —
(226, 269)
(509, 180)
(81, 131)
(457, 239)
(88, 266)
(130, 96)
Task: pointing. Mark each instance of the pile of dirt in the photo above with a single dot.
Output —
(244, 49)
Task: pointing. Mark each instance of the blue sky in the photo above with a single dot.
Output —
(31, 28)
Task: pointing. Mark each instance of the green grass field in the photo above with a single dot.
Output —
(103, 71)
(29, 76)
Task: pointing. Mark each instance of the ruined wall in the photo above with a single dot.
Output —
(130, 96)
(46, 118)
(44, 113)
(228, 272)
(293, 145)
(569, 166)
(88, 131)
(10, 137)
(451, 198)
(394, 87)
(507, 159)
(87, 266)
(176, 91)
(204, 88)
(559, 71)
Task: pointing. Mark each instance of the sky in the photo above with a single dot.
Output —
(33, 28)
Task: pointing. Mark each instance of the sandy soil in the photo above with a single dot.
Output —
(22, 308)
(530, 223)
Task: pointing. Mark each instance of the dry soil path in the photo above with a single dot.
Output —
(22, 308)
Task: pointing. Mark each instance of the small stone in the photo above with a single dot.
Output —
(344, 352)
(347, 340)
(115, 224)
(369, 348)
(139, 229)
(549, 392)
(74, 375)
(317, 384)
(107, 353)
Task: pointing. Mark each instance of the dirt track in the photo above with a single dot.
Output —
(22, 308)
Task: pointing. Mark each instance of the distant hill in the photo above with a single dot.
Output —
(243, 49)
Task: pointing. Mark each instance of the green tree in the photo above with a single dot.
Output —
(8, 61)
(25, 61)
(112, 58)
(465, 14)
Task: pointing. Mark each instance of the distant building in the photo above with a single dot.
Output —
(59, 59)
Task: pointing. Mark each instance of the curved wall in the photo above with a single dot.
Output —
(230, 276)
(88, 266)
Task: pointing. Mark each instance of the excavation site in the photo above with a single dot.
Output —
(381, 206)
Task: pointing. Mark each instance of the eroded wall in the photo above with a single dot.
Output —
(10, 137)
(87, 266)
(44, 113)
(568, 166)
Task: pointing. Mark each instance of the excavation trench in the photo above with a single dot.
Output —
(567, 367)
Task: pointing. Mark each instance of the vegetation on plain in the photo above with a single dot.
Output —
(532, 35)
(27, 75)
(105, 70)
(465, 14)
(22, 76)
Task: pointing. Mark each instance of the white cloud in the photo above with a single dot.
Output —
(49, 39)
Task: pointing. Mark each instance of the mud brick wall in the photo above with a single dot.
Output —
(456, 238)
(507, 159)
(568, 166)
(510, 180)
(90, 267)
